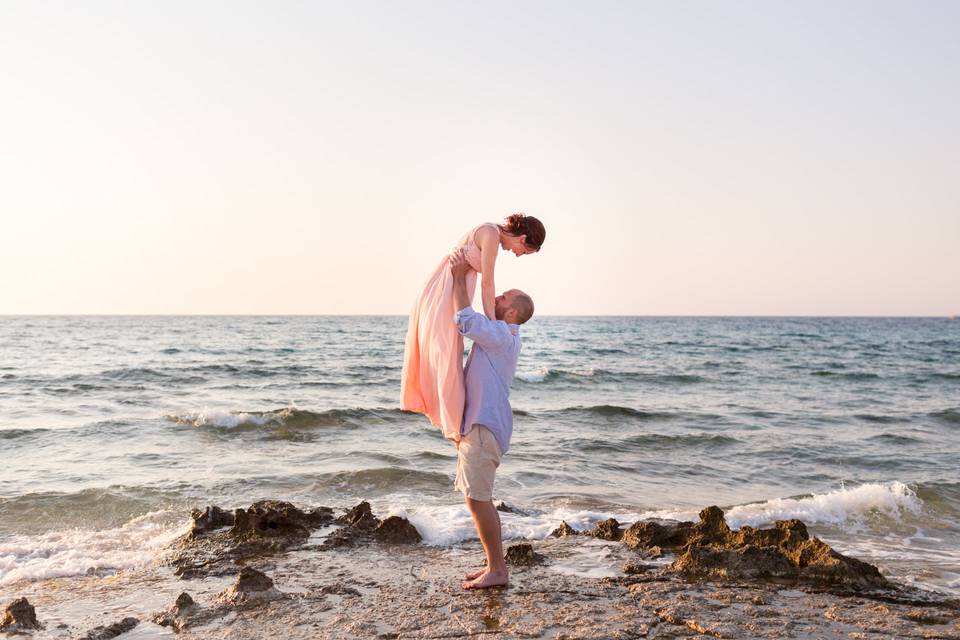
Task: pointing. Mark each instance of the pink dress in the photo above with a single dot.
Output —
(432, 378)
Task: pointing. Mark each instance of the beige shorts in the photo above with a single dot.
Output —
(477, 460)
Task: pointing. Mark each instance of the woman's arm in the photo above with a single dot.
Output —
(488, 239)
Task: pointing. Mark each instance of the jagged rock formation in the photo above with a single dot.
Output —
(210, 519)
(177, 615)
(19, 616)
(265, 527)
(111, 631)
(608, 529)
(522, 554)
(361, 526)
(710, 549)
(564, 530)
(251, 585)
(274, 522)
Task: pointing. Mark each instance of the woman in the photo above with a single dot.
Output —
(432, 378)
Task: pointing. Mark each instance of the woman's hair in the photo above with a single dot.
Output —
(520, 225)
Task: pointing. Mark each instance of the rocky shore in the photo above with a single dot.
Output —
(276, 570)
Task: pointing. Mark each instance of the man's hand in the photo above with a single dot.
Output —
(458, 263)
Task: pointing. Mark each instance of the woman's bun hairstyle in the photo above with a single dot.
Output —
(521, 225)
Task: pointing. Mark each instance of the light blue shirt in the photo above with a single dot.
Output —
(488, 374)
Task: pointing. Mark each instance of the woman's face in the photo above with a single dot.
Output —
(519, 246)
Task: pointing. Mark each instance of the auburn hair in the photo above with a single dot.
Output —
(521, 225)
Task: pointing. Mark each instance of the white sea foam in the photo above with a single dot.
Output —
(79, 551)
(836, 507)
(534, 375)
(229, 419)
(540, 373)
(846, 505)
(443, 525)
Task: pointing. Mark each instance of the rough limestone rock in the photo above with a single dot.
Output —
(210, 519)
(608, 529)
(111, 631)
(19, 616)
(177, 615)
(651, 553)
(339, 590)
(266, 527)
(564, 530)
(275, 520)
(396, 530)
(359, 523)
(522, 554)
(251, 586)
(712, 528)
(647, 534)
(361, 527)
(725, 564)
(360, 517)
(637, 568)
(710, 549)
(504, 507)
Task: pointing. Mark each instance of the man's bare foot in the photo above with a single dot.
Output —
(473, 575)
(488, 579)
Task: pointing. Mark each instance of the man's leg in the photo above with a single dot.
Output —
(479, 572)
(487, 521)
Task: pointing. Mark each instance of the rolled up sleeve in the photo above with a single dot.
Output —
(489, 334)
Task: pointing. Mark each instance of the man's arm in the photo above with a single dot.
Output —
(459, 267)
(489, 334)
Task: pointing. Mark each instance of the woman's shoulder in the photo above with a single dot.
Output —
(474, 235)
(488, 230)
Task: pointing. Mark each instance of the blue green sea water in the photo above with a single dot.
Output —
(113, 427)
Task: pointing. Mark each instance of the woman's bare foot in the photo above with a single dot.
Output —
(488, 579)
(473, 575)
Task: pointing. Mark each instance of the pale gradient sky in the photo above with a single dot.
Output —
(758, 157)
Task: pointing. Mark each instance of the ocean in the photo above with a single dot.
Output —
(112, 428)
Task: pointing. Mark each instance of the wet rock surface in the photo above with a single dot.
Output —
(564, 530)
(522, 554)
(363, 527)
(608, 529)
(413, 591)
(112, 630)
(264, 528)
(360, 517)
(504, 507)
(710, 549)
(635, 568)
(19, 615)
(250, 585)
(277, 523)
(664, 534)
(396, 530)
(177, 615)
(210, 519)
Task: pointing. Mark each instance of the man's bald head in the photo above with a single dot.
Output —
(513, 306)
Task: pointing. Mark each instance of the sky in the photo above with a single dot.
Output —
(687, 158)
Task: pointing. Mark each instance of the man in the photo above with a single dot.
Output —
(487, 417)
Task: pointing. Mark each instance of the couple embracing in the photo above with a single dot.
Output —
(471, 404)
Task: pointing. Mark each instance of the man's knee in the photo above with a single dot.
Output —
(473, 505)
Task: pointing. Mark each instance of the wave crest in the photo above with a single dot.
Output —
(836, 507)
(290, 417)
(588, 374)
(75, 552)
